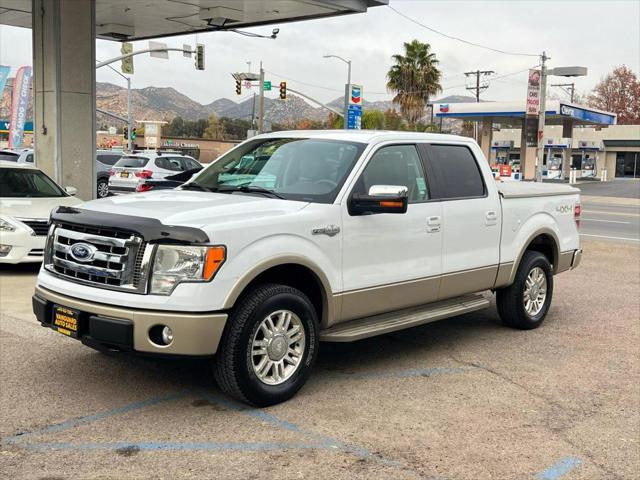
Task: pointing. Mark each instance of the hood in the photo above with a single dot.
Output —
(34, 207)
(194, 209)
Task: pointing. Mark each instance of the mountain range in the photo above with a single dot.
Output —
(166, 103)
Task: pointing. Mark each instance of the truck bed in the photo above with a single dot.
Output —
(534, 189)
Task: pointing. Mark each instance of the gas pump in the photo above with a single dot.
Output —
(503, 166)
(553, 155)
(588, 158)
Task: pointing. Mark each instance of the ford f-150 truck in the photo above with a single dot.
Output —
(293, 238)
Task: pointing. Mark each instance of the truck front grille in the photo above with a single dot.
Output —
(117, 260)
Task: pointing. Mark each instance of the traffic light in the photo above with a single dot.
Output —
(133, 133)
(283, 90)
(125, 133)
(238, 87)
(127, 62)
(199, 56)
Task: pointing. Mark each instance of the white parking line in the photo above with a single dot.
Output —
(613, 238)
(603, 212)
(607, 221)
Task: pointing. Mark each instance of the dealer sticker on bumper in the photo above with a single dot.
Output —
(65, 320)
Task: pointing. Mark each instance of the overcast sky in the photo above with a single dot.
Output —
(597, 34)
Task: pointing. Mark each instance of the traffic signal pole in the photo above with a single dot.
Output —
(129, 113)
(261, 104)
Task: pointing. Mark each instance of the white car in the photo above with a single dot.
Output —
(292, 238)
(132, 170)
(27, 196)
(17, 156)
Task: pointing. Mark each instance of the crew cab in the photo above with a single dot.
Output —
(336, 236)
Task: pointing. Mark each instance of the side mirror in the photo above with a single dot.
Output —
(71, 191)
(380, 199)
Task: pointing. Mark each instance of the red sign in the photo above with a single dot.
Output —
(505, 170)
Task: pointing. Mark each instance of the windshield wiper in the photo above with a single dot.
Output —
(251, 189)
(195, 186)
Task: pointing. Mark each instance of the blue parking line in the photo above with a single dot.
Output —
(557, 470)
(92, 418)
(170, 446)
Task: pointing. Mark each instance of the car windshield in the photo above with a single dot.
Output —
(27, 182)
(131, 162)
(305, 169)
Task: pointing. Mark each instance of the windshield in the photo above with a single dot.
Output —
(305, 169)
(131, 162)
(24, 183)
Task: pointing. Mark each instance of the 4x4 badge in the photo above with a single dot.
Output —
(330, 230)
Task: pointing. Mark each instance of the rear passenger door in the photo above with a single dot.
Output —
(471, 220)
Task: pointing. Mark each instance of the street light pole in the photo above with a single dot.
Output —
(346, 92)
(261, 104)
(128, 79)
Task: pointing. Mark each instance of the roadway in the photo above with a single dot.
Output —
(610, 221)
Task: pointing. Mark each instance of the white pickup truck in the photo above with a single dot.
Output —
(293, 238)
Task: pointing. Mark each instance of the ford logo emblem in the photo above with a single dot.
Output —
(82, 252)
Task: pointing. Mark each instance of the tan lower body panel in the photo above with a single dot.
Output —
(467, 281)
(193, 333)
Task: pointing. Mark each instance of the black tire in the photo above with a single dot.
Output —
(232, 365)
(510, 300)
(102, 188)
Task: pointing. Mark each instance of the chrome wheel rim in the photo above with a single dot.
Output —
(103, 189)
(535, 291)
(277, 347)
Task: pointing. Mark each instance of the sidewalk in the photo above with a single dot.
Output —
(627, 202)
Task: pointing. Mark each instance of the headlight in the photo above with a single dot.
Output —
(5, 226)
(174, 264)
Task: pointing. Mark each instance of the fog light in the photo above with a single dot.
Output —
(4, 250)
(167, 335)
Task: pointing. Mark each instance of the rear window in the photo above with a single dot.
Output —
(108, 159)
(132, 162)
(457, 171)
(9, 157)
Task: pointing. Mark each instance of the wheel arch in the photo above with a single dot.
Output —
(543, 240)
(295, 271)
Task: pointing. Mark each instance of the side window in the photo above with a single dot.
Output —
(108, 159)
(457, 171)
(169, 163)
(29, 158)
(395, 165)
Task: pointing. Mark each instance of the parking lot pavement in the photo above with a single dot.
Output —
(619, 187)
(464, 398)
(610, 219)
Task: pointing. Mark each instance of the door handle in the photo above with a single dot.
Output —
(491, 218)
(433, 224)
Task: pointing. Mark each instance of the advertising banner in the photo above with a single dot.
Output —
(4, 74)
(533, 93)
(19, 105)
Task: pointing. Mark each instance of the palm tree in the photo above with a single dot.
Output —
(414, 78)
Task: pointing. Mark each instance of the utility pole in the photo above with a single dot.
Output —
(478, 88)
(129, 113)
(541, 116)
(261, 104)
(571, 86)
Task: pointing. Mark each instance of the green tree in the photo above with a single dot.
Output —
(214, 129)
(373, 120)
(414, 78)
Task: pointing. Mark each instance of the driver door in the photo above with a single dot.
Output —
(392, 261)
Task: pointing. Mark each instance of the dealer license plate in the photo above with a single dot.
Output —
(66, 320)
(124, 174)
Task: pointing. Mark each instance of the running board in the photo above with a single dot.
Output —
(399, 320)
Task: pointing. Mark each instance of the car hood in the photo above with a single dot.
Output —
(34, 207)
(194, 209)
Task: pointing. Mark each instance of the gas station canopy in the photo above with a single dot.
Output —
(508, 112)
(124, 20)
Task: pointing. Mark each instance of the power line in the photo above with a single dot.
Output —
(497, 50)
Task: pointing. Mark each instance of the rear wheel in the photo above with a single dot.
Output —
(525, 303)
(268, 347)
(102, 188)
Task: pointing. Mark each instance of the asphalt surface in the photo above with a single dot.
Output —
(464, 398)
(620, 187)
(603, 219)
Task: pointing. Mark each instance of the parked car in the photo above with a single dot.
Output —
(172, 181)
(105, 159)
(339, 236)
(27, 196)
(134, 169)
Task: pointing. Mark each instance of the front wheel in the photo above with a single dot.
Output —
(268, 347)
(525, 303)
